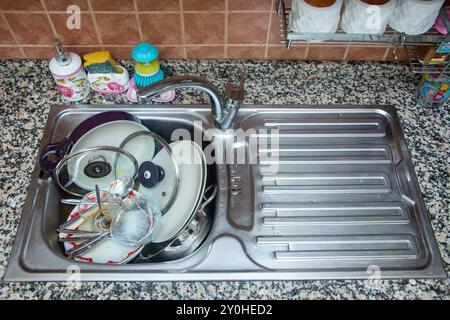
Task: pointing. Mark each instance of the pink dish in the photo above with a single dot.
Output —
(439, 25)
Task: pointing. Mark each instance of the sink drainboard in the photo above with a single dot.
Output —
(344, 202)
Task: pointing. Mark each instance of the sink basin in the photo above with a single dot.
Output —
(343, 201)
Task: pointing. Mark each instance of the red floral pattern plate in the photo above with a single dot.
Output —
(108, 251)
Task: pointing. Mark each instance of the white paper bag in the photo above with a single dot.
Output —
(415, 17)
(307, 18)
(361, 17)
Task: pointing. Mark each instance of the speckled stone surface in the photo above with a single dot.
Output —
(27, 91)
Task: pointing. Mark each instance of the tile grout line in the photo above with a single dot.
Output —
(140, 11)
(346, 53)
(13, 34)
(225, 38)
(52, 26)
(183, 38)
(169, 45)
(269, 28)
(141, 36)
(94, 21)
(130, 46)
(386, 53)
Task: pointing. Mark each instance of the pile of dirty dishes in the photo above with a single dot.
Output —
(144, 191)
(107, 228)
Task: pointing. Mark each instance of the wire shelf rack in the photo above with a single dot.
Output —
(421, 67)
(391, 37)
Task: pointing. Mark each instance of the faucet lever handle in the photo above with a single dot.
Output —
(235, 92)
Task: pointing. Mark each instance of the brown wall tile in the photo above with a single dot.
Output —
(205, 52)
(275, 36)
(287, 4)
(204, 28)
(112, 5)
(30, 28)
(282, 53)
(85, 35)
(62, 5)
(10, 53)
(120, 29)
(120, 52)
(246, 52)
(249, 4)
(5, 35)
(203, 5)
(171, 52)
(158, 5)
(401, 54)
(38, 52)
(161, 28)
(116, 28)
(366, 53)
(326, 52)
(31, 5)
(81, 51)
(247, 28)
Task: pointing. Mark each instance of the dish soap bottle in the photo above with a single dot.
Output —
(69, 74)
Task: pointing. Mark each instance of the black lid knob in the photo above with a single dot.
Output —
(97, 169)
(150, 174)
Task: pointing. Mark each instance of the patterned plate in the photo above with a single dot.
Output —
(108, 251)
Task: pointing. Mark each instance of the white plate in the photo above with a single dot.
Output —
(106, 252)
(109, 134)
(190, 161)
(163, 191)
(205, 172)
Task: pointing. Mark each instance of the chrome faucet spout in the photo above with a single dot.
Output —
(180, 82)
(223, 109)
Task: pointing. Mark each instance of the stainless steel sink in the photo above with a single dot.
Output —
(344, 202)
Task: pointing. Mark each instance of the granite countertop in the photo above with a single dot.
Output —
(27, 91)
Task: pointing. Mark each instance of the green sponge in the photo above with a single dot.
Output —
(104, 67)
(100, 62)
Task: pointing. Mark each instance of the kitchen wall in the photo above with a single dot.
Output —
(192, 29)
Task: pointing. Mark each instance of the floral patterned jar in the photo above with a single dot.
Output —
(69, 74)
(73, 87)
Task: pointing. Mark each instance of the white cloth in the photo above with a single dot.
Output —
(415, 17)
(361, 17)
(307, 18)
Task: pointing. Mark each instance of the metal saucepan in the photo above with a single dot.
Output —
(53, 153)
(193, 234)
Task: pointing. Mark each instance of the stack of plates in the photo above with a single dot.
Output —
(180, 187)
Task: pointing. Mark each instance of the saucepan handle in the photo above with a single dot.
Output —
(52, 154)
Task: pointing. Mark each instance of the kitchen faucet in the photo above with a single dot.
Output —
(223, 108)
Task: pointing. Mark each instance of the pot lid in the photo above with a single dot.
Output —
(158, 172)
(192, 179)
(79, 172)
